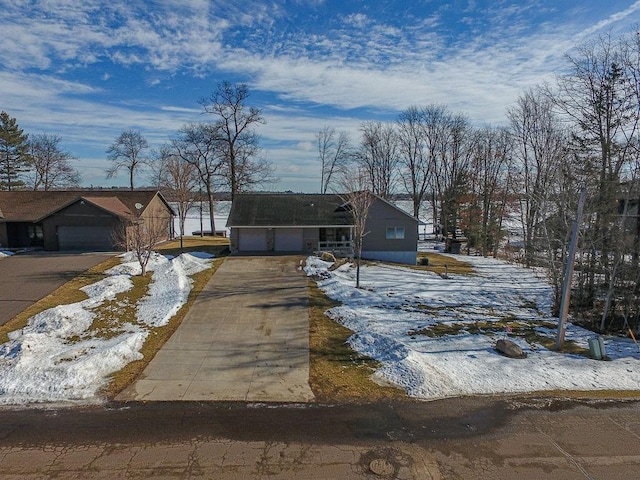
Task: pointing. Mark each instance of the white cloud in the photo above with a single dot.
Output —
(357, 65)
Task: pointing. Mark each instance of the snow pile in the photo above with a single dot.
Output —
(5, 253)
(169, 289)
(395, 304)
(57, 358)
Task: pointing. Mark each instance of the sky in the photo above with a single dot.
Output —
(87, 69)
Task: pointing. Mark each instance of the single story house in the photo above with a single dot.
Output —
(308, 223)
(78, 219)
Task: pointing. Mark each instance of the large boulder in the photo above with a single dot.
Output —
(509, 349)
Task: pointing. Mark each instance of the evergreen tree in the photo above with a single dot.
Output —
(14, 156)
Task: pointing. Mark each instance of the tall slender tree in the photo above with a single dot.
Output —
(416, 163)
(451, 169)
(198, 144)
(334, 151)
(238, 141)
(490, 179)
(358, 200)
(180, 178)
(128, 152)
(540, 146)
(14, 153)
(378, 157)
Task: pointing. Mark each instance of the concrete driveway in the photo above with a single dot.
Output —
(26, 278)
(246, 338)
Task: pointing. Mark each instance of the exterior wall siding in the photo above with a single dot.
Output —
(382, 216)
(407, 258)
(157, 215)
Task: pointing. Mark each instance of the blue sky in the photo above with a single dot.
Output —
(88, 69)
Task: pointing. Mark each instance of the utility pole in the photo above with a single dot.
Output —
(200, 203)
(568, 272)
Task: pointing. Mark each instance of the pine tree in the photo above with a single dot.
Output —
(14, 157)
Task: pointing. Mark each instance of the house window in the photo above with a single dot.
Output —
(395, 233)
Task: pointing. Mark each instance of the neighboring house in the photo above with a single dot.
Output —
(307, 223)
(78, 219)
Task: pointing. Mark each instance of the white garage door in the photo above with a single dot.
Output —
(84, 238)
(288, 240)
(252, 239)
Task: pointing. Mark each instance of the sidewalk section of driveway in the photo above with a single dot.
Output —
(246, 338)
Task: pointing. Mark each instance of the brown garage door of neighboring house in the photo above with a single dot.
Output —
(84, 238)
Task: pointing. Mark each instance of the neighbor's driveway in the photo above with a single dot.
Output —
(245, 338)
(26, 278)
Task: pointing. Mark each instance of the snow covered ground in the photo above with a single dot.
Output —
(56, 358)
(395, 305)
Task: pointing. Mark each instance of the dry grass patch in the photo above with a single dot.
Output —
(65, 294)
(531, 331)
(218, 246)
(442, 264)
(112, 315)
(336, 372)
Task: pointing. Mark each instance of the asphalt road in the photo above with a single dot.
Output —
(26, 278)
(470, 438)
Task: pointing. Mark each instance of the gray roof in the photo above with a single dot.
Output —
(288, 209)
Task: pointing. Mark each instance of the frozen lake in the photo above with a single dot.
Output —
(192, 223)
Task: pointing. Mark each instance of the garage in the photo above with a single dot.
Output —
(288, 240)
(84, 238)
(253, 240)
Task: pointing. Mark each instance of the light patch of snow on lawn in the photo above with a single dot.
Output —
(54, 358)
(395, 303)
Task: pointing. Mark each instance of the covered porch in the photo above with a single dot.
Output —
(337, 240)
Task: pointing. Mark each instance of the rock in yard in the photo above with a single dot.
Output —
(509, 349)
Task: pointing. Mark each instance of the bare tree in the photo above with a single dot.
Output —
(357, 200)
(237, 140)
(198, 144)
(140, 235)
(334, 151)
(179, 177)
(598, 96)
(51, 165)
(414, 155)
(539, 149)
(378, 157)
(451, 168)
(490, 187)
(127, 152)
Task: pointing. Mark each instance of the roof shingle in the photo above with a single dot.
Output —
(31, 206)
(287, 209)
